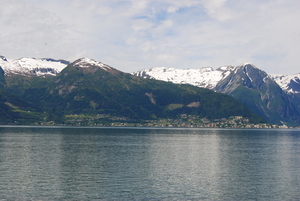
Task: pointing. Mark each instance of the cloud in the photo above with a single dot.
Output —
(141, 25)
(166, 57)
(172, 9)
(217, 9)
(131, 35)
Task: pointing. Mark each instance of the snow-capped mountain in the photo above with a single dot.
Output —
(264, 94)
(274, 97)
(205, 77)
(86, 63)
(246, 75)
(289, 83)
(32, 66)
(256, 89)
(89, 87)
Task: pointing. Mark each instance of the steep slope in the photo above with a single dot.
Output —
(90, 87)
(13, 110)
(291, 85)
(32, 67)
(260, 93)
(2, 79)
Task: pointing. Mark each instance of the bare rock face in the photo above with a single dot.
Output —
(257, 90)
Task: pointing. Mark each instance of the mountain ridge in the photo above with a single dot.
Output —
(32, 66)
(188, 76)
(18, 73)
(275, 98)
(51, 67)
(95, 89)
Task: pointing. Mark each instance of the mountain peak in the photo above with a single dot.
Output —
(32, 66)
(247, 63)
(86, 63)
(225, 68)
(289, 83)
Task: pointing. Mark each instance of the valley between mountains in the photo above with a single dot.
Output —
(88, 92)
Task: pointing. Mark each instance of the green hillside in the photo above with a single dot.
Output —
(15, 111)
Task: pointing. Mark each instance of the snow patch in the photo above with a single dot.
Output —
(284, 81)
(30, 66)
(246, 72)
(205, 77)
(86, 63)
(247, 63)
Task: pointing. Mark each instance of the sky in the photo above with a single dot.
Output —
(132, 35)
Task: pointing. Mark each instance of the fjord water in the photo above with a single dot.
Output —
(49, 163)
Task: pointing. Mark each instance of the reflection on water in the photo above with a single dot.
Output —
(181, 164)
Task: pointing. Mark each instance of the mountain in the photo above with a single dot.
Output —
(93, 88)
(204, 77)
(289, 83)
(32, 67)
(256, 89)
(274, 98)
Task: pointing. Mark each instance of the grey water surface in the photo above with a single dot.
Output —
(90, 163)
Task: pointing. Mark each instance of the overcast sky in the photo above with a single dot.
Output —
(132, 35)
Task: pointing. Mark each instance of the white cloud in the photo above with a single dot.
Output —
(141, 25)
(147, 46)
(217, 9)
(172, 9)
(131, 35)
(166, 58)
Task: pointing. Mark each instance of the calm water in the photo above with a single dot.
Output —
(49, 163)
